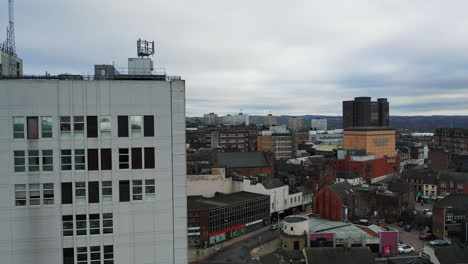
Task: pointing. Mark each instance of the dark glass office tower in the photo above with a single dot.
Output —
(362, 112)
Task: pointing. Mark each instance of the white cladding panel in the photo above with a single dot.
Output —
(143, 231)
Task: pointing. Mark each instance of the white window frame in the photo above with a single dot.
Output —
(48, 195)
(47, 155)
(82, 252)
(45, 121)
(109, 255)
(137, 121)
(66, 160)
(150, 189)
(65, 125)
(80, 192)
(105, 126)
(80, 153)
(81, 226)
(67, 226)
(95, 255)
(19, 155)
(107, 223)
(19, 134)
(94, 225)
(79, 122)
(34, 161)
(21, 195)
(122, 155)
(106, 191)
(137, 190)
(34, 194)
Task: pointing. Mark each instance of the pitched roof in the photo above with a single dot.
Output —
(416, 173)
(305, 189)
(399, 187)
(344, 190)
(242, 159)
(447, 175)
(339, 255)
(454, 200)
(451, 255)
(272, 183)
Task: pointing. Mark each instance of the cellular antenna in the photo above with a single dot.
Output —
(8, 45)
(145, 48)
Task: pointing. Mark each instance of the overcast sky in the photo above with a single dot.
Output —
(280, 57)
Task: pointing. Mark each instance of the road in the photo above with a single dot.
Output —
(240, 252)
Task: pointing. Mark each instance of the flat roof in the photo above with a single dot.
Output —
(340, 229)
(369, 129)
(221, 200)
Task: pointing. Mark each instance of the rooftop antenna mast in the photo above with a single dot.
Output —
(8, 45)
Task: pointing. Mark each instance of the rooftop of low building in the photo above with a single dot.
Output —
(221, 200)
(339, 255)
(454, 200)
(242, 159)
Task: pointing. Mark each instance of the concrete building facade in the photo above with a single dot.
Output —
(318, 124)
(93, 170)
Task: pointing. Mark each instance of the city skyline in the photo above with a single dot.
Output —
(288, 59)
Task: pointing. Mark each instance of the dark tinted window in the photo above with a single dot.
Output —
(124, 191)
(93, 192)
(136, 158)
(91, 126)
(93, 163)
(67, 193)
(149, 158)
(33, 127)
(68, 257)
(122, 122)
(148, 126)
(106, 159)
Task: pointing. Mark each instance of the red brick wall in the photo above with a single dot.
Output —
(438, 221)
(380, 167)
(327, 204)
(438, 160)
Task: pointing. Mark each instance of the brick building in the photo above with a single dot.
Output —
(452, 182)
(454, 140)
(362, 112)
(232, 138)
(339, 202)
(438, 159)
(449, 215)
(246, 163)
(416, 176)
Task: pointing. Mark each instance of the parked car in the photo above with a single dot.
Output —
(439, 242)
(401, 223)
(408, 228)
(274, 226)
(405, 249)
(427, 212)
(427, 236)
(414, 213)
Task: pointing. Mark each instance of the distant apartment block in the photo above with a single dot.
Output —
(271, 120)
(278, 141)
(318, 124)
(239, 119)
(210, 120)
(295, 124)
(362, 112)
(93, 169)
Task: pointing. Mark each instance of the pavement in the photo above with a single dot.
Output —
(265, 248)
(236, 250)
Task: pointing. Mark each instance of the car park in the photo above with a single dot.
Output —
(405, 249)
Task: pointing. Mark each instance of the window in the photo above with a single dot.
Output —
(94, 227)
(105, 126)
(65, 126)
(149, 158)
(35, 194)
(66, 159)
(95, 254)
(80, 160)
(67, 224)
(136, 122)
(92, 126)
(107, 223)
(82, 255)
(122, 122)
(93, 192)
(78, 125)
(80, 192)
(149, 190)
(442, 184)
(124, 191)
(148, 122)
(46, 127)
(136, 158)
(18, 127)
(68, 256)
(106, 159)
(93, 163)
(137, 190)
(107, 191)
(47, 160)
(20, 194)
(33, 160)
(67, 193)
(123, 159)
(48, 193)
(81, 225)
(33, 127)
(108, 254)
(19, 160)
(460, 186)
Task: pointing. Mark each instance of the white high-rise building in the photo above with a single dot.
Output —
(239, 119)
(93, 171)
(271, 120)
(319, 124)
